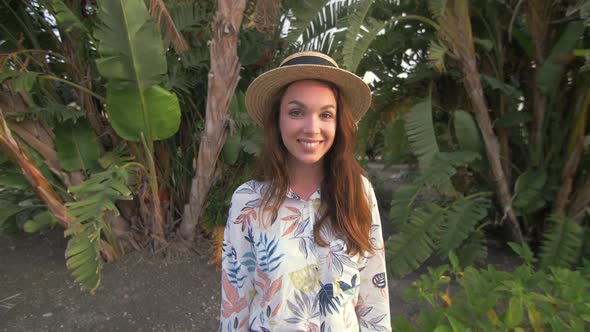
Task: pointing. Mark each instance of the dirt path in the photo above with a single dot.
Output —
(142, 292)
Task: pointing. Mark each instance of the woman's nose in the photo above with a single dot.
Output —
(312, 124)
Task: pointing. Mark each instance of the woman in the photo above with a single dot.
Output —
(303, 248)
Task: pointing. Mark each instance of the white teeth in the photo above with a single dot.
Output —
(310, 144)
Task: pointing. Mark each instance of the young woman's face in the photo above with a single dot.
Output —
(307, 120)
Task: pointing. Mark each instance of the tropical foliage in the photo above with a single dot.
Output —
(527, 299)
(488, 98)
(493, 98)
(92, 98)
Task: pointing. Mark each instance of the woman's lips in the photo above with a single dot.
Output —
(309, 144)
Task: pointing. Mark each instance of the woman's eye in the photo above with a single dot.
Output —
(326, 115)
(295, 112)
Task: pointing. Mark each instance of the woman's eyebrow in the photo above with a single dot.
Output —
(302, 105)
(298, 103)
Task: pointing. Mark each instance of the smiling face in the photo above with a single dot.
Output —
(307, 121)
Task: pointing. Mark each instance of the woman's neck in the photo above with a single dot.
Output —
(305, 179)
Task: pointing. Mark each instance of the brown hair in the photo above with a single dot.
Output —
(344, 202)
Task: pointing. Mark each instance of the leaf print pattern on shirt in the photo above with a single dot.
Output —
(248, 214)
(374, 324)
(232, 302)
(347, 287)
(287, 280)
(305, 240)
(234, 275)
(304, 310)
(269, 289)
(269, 260)
(337, 258)
(305, 279)
(328, 302)
(294, 219)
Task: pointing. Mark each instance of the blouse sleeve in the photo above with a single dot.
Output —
(237, 278)
(373, 306)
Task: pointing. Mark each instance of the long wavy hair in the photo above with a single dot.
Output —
(344, 204)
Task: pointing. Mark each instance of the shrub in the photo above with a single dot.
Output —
(527, 299)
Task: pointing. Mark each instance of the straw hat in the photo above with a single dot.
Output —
(306, 66)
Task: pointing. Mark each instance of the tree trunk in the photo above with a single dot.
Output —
(581, 200)
(457, 34)
(538, 13)
(567, 179)
(223, 79)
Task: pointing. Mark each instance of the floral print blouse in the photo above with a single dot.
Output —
(276, 278)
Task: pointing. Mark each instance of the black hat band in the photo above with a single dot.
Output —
(308, 60)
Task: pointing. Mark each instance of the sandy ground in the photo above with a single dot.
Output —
(142, 292)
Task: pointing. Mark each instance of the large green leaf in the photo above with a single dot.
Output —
(551, 71)
(506, 89)
(40, 222)
(133, 60)
(460, 220)
(562, 243)
(94, 197)
(154, 111)
(415, 242)
(395, 143)
(467, 132)
(420, 131)
(402, 204)
(231, 148)
(252, 139)
(66, 19)
(474, 249)
(130, 45)
(77, 146)
(444, 166)
(83, 257)
(361, 31)
(529, 190)
(322, 33)
(52, 113)
(24, 81)
(367, 128)
(11, 177)
(303, 13)
(7, 211)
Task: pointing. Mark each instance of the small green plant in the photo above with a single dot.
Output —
(527, 299)
(90, 232)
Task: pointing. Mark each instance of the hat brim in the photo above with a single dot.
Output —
(355, 92)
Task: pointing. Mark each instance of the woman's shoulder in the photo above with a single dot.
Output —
(249, 188)
(366, 183)
(369, 191)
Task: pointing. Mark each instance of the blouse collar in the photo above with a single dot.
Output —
(291, 194)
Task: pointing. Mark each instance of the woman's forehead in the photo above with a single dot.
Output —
(310, 89)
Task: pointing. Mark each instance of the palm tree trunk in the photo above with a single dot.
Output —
(457, 34)
(223, 79)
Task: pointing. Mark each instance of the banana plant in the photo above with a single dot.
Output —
(134, 64)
